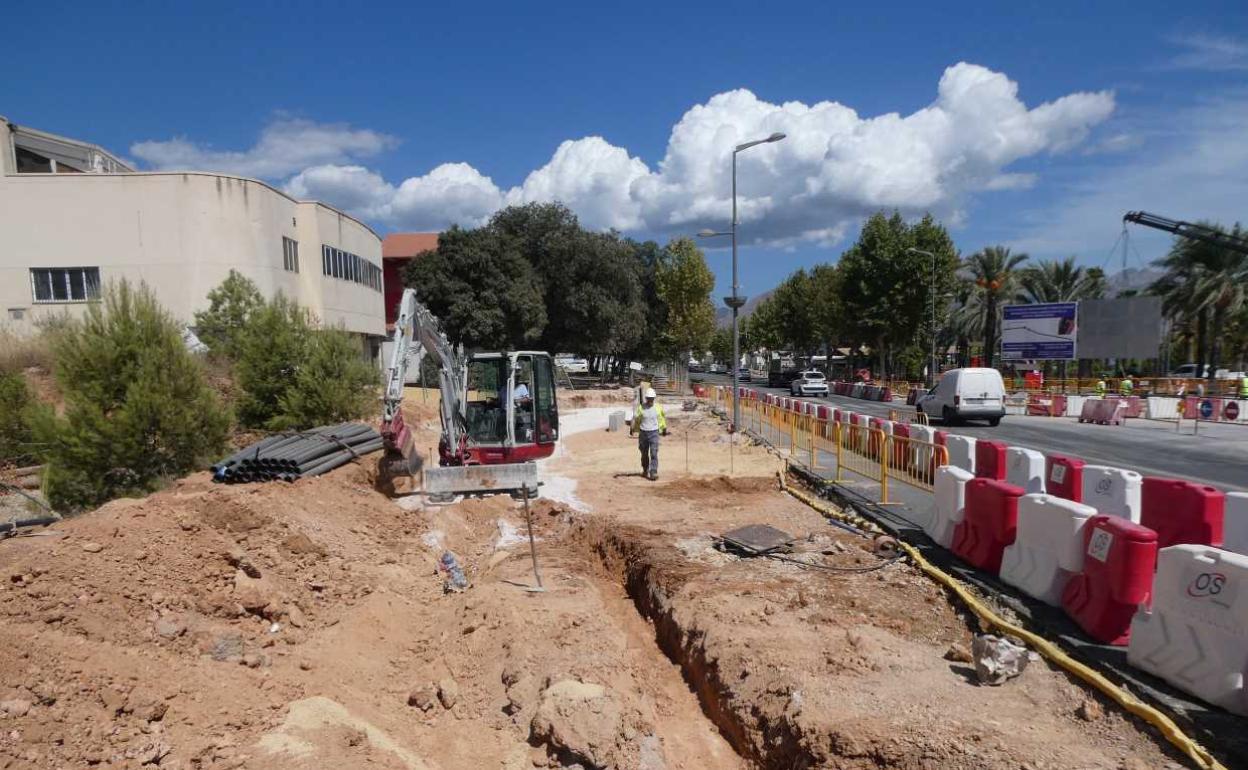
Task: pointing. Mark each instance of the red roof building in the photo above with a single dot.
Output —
(397, 249)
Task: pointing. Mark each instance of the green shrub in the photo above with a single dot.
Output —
(333, 384)
(272, 346)
(15, 402)
(138, 409)
(230, 306)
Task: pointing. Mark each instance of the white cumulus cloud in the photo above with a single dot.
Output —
(286, 146)
(834, 166)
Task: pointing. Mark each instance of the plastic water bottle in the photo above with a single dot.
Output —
(455, 579)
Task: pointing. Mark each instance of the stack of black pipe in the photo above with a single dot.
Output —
(290, 456)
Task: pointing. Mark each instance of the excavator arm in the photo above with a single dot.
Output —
(417, 334)
(1187, 230)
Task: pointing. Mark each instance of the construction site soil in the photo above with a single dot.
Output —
(306, 625)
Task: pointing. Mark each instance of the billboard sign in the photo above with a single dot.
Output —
(1046, 332)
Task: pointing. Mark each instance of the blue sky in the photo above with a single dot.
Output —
(415, 115)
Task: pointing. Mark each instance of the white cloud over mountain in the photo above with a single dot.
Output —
(834, 166)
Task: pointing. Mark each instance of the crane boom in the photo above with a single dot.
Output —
(1188, 230)
(415, 324)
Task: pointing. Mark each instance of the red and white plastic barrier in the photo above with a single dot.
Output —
(950, 504)
(1112, 491)
(961, 451)
(1195, 634)
(1235, 523)
(1063, 476)
(1117, 577)
(989, 524)
(1049, 547)
(990, 460)
(1025, 468)
(1182, 512)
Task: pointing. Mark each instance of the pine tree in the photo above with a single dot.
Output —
(272, 347)
(138, 409)
(230, 307)
(15, 401)
(334, 384)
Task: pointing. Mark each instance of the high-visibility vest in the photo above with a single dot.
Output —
(1125, 387)
(1100, 388)
(1243, 387)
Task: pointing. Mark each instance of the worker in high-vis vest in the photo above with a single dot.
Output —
(1100, 388)
(649, 423)
(1243, 387)
(1125, 386)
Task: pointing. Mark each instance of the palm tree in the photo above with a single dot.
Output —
(1208, 282)
(992, 270)
(1054, 281)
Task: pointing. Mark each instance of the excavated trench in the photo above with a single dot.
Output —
(650, 573)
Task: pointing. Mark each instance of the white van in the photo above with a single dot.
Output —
(966, 393)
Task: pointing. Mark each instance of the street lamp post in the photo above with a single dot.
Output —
(931, 361)
(736, 301)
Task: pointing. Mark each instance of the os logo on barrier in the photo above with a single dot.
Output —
(1231, 411)
(1206, 584)
(1206, 409)
(1103, 486)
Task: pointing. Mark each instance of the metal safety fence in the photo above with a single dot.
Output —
(865, 450)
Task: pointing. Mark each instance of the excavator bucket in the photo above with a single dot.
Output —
(477, 479)
(400, 458)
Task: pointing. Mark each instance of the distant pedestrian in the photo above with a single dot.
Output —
(1125, 386)
(649, 423)
(1243, 387)
(1100, 388)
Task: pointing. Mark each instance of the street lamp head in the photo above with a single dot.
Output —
(776, 137)
(707, 233)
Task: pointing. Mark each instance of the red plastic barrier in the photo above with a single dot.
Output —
(902, 453)
(990, 460)
(989, 524)
(1133, 406)
(822, 411)
(1182, 512)
(1063, 477)
(1042, 405)
(938, 438)
(1117, 577)
(836, 415)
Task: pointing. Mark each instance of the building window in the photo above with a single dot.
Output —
(65, 284)
(290, 254)
(337, 263)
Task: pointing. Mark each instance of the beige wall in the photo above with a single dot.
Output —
(181, 233)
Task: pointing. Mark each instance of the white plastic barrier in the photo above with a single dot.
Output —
(1163, 408)
(1235, 523)
(950, 503)
(1112, 491)
(1195, 635)
(863, 421)
(1074, 405)
(923, 435)
(1048, 548)
(961, 452)
(1024, 468)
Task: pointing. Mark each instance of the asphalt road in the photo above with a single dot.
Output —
(1217, 455)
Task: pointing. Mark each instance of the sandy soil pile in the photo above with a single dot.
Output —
(306, 626)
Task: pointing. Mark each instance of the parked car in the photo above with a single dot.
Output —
(966, 394)
(573, 365)
(696, 367)
(718, 368)
(1188, 371)
(743, 375)
(809, 383)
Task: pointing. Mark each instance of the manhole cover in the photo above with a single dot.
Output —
(757, 539)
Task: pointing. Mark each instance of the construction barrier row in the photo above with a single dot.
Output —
(1157, 565)
(863, 390)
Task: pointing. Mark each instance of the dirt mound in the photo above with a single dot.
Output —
(596, 397)
(718, 485)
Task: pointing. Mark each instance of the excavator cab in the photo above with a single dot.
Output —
(510, 409)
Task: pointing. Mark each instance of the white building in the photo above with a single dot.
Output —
(73, 217)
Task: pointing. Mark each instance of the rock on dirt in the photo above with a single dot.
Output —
(15, 707)
(959, 653)
(448, 692)
(998, 659)
(1090, 711)
(423, 697)
(92, 547)
(587, 723)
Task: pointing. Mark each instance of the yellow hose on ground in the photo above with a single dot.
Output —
(1172, 732)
